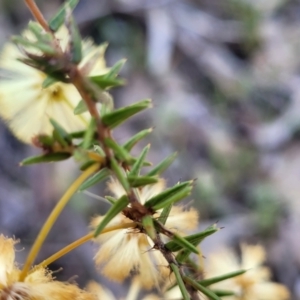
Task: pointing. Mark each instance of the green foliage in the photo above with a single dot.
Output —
(120, 115)
(96, 178)
(115, 209)
(170, 196)
(59, 18)
(194, 239)
(80, 108)
(136, 138)
(180, 282)
(51, 157)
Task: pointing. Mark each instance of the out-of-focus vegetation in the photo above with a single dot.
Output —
(224, 77)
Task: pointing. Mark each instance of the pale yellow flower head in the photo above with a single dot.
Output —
(38, 285)
(254, 284)
(132, 293)
(127, 251)
(27, 107)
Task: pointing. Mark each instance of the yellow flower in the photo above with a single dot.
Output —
(125, 251)
(104, 294)
(27, 107)
(254, 284)
(38, 285)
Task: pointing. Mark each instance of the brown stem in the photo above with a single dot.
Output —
(37, 14)
(103, 132)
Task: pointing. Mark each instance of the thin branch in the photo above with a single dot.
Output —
(37, 14)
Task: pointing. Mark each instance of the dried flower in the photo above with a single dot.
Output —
(38, 285)
(27, 106)
(128, 250)
(254, 284)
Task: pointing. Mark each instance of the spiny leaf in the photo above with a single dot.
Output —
(51, 157)
(89, 134)
(120, 174)
(138, 181)
(116, 208)
(47, 49)
(180, 282)
(223, 293)
(76, 44)
(165, 214)
(96, 178)
(80, 108)
(178, 242)
(194, 239)
(106, 83)
(111, 199)
(136, 138)
(139, 162)
(60, 134)
(162, 166)
(207, 292)
(60, 17)
(119, 151)
(120, 115)
(115, 69)
(148, 224)
(170, 196)
(209, 281)
(164, 196)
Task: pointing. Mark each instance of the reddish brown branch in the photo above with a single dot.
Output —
(37, 14)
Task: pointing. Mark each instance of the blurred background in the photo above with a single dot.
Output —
(225, 80)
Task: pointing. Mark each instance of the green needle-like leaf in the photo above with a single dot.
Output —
(45, 48)
(136, 138)
(139, 162)
(166, 194)
(60, 17)
(96, 178)
(207, 292)
(138, 181)
(120, 115)
(120, 174)
(80, 108)
(111, 199)
(116, 208)
(194, 239)
(178, 242)
(162, 166)
(173, 199)
(180, 282)
(165, 214)
(60, 134)
(115, 69)
(51, 157)
(119, 151)
(89, 134)
(209, 281)
(105, 83)
(76, 43)
(149, 226)
(223, 293)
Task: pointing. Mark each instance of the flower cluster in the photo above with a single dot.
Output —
(54, 95)
(38, 284)
(131, 249)
(255, 283)
(27, 105)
